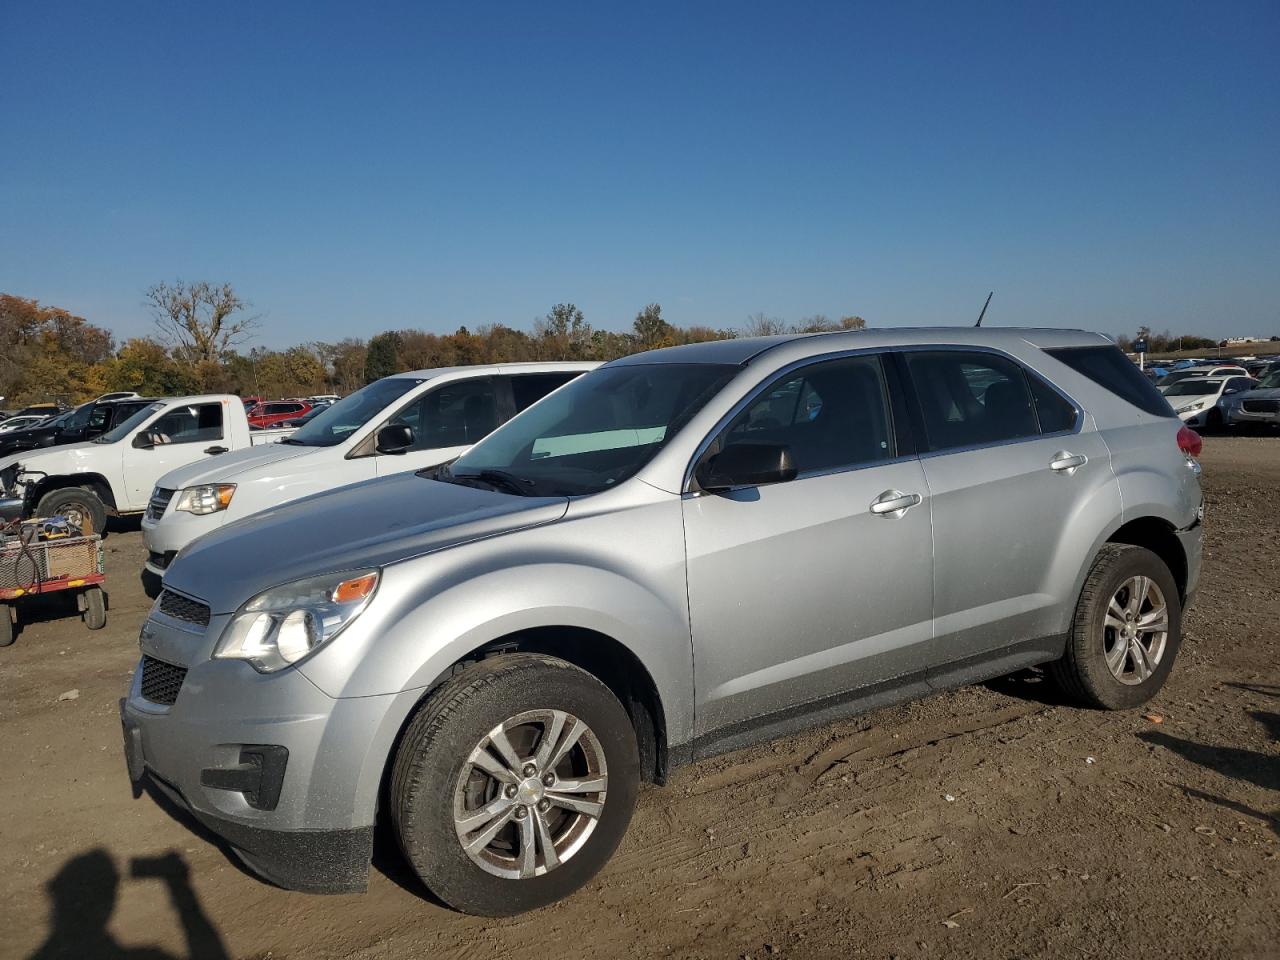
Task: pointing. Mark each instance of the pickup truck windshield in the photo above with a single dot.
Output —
(593, 433)
(332, 426)
(122, 430)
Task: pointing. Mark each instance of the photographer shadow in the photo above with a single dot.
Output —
(84, 894)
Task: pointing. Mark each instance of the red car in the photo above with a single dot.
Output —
(276, 411)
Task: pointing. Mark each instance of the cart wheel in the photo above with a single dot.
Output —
(6, 625)
(95, 609)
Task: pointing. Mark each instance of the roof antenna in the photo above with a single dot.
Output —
(984, 309)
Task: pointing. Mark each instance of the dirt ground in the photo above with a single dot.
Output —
(988, 822)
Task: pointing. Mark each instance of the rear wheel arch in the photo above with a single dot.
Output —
(1161, 538)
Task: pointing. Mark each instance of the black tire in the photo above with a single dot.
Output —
(433, 754)
(1082, 673)
(7, 630)
(1213, 420)
(79, 504)
(95, 608)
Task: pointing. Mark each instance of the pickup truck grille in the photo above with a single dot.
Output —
(183, 608)
(159, 503)
(1261, 406)
(161, 681)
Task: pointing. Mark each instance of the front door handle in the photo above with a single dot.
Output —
(1066, 462)
(213, 450)
(894, 503)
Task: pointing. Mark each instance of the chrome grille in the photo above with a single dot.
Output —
(159, 503)
(184, 608)
(161, 681)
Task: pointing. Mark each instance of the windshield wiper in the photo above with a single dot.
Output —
(499, 479)
(299, 443)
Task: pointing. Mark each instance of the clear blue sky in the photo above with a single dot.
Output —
(359, 168)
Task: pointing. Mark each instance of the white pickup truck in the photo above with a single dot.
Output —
(404, 422)
(114, 473)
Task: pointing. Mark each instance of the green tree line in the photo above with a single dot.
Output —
(51, 354)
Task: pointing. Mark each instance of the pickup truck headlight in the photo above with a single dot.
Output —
(282, 625)
(205, 499)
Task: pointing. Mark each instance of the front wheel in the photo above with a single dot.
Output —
(514, 784)
(80, 505)
(1126, 631)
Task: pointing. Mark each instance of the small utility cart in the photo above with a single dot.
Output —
(45, 556)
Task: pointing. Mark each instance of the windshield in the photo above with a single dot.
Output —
(1269, 382)
(334, 424)
(1194, 388)
(594, 433)
(122, 430)
(59, 421)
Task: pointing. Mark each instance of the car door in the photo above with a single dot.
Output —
(804, 591)
(445, 420)
(1014, 468)
(180, 435)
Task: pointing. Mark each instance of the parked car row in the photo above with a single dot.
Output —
(482, 605)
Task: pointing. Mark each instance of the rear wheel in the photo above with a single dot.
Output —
(514, 784)
(1126, 630)
(7, 630)
(80, 505)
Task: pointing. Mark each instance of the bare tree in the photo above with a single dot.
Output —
(202, 320)
(762, 325)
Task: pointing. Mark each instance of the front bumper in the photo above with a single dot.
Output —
(1239, 416)
(11, 509)
(173, 531)
(318, 835)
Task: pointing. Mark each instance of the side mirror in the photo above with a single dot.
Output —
(143, 441)
(746, 465)
(394, 438)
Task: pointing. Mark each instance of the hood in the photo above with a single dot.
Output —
(1270, 393)
(30, 437)
(228, 466)
(63, 458)
(365, 525)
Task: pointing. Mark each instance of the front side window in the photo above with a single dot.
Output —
(195, 424)
(971, 399)
(123, 430)
(831, 414)
(596, 432)
(453, 415)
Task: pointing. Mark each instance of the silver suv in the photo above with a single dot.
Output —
(678, 554)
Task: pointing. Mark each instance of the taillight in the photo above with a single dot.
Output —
(1189, 442)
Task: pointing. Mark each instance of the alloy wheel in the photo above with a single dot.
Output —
(530, 794)
(1135, 630)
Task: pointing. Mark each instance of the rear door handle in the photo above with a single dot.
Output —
(894, 503)
(1066, 462)
(213, 450)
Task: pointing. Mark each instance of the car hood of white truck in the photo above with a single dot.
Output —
(232, 466)
(364, 525)
(81, 457)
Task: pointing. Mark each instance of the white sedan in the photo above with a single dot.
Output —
(20, 423)
(1198, 401)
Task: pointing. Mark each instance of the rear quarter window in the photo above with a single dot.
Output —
(1112, 370)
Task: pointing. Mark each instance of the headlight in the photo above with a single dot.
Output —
(284, 624)
(205, 499)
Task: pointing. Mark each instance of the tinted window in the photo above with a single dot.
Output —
(1109, 368)
(193, 424)
(1054, 412)
(453, 415)
(831, 414)
(969, 399)
(528, 388)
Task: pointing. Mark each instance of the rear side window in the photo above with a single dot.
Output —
(528, 388)
(1054, 411)
(1109, 368)
(971, 399)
